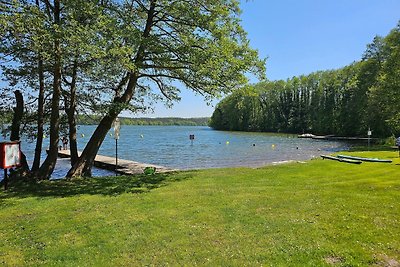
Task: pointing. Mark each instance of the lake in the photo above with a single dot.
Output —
(170, 146)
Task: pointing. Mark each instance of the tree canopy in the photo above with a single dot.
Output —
(109, 56)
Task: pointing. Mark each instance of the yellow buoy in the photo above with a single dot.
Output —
(227, 142)
(273, 146)
(82, 135)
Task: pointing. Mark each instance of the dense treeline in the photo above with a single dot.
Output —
(5, 122)
(345, 102)
(94, 120)
(90, 120)
(166, 121)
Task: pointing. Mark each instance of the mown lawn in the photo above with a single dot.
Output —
(318, 213)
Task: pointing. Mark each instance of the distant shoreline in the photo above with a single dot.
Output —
(161, 121)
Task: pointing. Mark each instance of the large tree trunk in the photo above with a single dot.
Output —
(48, 165)
(15, 128)
(40, 118)
(71, 110)
(17, 117)
(83, 167)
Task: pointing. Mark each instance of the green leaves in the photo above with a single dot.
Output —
(199, 44)
(125, 55)
(346, 101)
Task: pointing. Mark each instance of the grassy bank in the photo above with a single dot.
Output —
(316, 213)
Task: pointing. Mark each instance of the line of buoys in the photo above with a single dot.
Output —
(273, 146)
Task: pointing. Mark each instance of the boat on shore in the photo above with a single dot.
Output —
(306, 135)
(341, 159)
(365, 159)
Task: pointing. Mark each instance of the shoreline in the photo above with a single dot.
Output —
(171, 147)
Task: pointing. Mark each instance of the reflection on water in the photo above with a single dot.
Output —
(170, 146)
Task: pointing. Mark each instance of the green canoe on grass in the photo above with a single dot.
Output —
(365, 159)
(342, 159)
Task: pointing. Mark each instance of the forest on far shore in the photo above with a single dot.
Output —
(167, 121)
(344, 102)
(94, 120)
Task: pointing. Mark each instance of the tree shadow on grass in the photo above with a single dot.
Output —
(108, 186)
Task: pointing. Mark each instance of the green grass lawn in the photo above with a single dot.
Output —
(318, 213)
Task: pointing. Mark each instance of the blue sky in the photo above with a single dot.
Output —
(300, 37)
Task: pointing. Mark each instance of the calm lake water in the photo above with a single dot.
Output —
(170, 146)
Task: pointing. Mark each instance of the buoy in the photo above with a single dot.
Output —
(227, 142)
(82, 135)
(141, 136)
(110, 134)
(44, 136)
(273, 146)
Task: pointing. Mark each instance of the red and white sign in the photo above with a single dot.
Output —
(10, 154)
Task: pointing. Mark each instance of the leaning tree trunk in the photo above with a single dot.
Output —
(71, 110)
(40, 118)
(83, 167)
(15, 128)
(49, 164)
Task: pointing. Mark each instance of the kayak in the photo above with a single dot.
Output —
(342, 159)
(365, 159)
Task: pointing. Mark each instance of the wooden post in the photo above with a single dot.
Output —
(116, 156)
(369, 133)
(5, 179)
(191, 137)
(117, 126)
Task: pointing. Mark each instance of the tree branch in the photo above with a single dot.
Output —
(161, 86)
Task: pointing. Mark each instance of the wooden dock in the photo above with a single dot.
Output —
(125, 167)
(336, 138)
